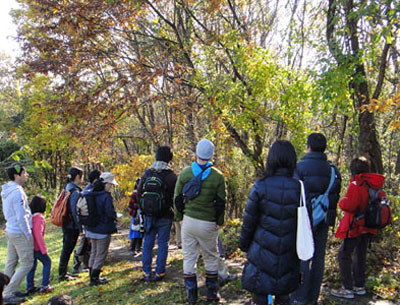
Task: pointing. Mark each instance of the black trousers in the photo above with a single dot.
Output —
(352, 259)
(136, 244)
(70, 237)
(82, 253)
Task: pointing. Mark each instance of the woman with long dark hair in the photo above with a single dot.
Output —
(72, 228)
(269, 229)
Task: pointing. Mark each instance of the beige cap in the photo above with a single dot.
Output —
(108, 178)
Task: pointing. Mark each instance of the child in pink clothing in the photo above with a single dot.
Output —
(38, 207)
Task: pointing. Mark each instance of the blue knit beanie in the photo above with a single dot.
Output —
(205, 149)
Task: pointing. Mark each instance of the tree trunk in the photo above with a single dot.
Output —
(368, 141)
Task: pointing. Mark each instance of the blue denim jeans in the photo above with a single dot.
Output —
(313, 269)
(46, 261)
(162, 228)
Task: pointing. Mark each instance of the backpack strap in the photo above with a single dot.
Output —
(326, 193)
(373, 193)
(332, 181)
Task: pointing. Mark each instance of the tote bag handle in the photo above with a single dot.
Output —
(304, 237)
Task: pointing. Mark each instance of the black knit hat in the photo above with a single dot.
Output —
(164, 153)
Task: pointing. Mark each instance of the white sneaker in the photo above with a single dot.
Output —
(359, 290)
(343, 293)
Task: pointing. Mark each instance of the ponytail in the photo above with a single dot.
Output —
(98, 185)
(73, 172)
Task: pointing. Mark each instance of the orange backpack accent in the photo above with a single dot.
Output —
(59, 212)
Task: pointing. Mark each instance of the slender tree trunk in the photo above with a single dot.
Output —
(397, 167)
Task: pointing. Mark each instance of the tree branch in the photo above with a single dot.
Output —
(382, 70)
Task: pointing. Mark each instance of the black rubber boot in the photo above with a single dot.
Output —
(94, 277)
(191, 288)
(212, 286)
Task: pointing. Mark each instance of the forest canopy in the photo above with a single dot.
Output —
(103, 83)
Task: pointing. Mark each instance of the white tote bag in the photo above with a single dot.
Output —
(304, 240)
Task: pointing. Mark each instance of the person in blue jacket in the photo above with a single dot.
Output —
(82, 251)
(268, 233)
(100, 235)
(315, 170)
(72, 228)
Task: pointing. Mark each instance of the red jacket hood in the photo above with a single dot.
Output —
(373, 180)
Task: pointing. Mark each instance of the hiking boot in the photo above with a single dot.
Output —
(46, 289)
(95, 278)
(158, 277)
(146, 278)
(32, 290)
(343, 293)
(103, 280)
(21, 294)
(13, 300)
(359, 290)
(81, 269)
(66, 278)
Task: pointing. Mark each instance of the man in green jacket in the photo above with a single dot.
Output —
(200, 221)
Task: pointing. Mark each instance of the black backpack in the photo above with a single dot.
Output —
(152, 200)
(377, 213)
(87, 210)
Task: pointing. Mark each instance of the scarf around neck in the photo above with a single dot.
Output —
(196, 169)
(160, 165)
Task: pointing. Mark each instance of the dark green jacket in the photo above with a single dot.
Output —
(202, 207)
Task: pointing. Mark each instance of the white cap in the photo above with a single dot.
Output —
(108, 178)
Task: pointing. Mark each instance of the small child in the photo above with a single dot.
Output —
(38, 207)
(136, 227)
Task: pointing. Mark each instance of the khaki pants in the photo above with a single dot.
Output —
(18, 247)
(199, 233)
(178, 232)
(99, 252)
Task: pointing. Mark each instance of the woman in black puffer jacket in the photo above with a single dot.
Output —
(269, 229)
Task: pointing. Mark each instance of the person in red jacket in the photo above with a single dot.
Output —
(352, 230)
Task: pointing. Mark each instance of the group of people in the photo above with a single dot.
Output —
(195, 200)
(268, 233)
(25, 229)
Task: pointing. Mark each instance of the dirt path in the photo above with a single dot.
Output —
(231, 293)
